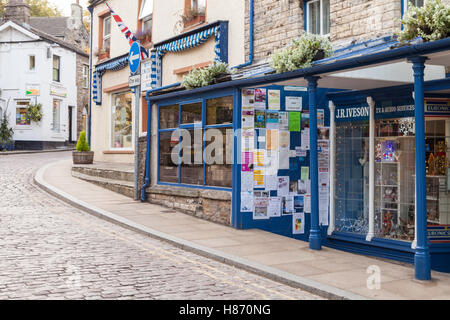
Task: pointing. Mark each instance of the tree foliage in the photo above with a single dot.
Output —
(38, 8)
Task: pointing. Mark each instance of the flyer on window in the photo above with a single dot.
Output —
(247, 201)
(260, 205)
(294, 103)
(274, 208)
(248, 97)
(260, 98)
(274, 101)
(320, 118)
(298, 223)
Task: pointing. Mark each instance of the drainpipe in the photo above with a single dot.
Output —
(250, 54)
(91, 9)
(149, 137)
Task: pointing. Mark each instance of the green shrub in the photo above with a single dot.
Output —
(300, 53)
(82, 144)
(6, 132)
(430, 22)
(204, 77)
(34, 112)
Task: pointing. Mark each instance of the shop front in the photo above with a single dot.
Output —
(351, 153)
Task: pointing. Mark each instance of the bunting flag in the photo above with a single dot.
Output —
(126, 31)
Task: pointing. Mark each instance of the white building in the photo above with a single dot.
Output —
(36, 67)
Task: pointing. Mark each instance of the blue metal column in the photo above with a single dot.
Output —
(422, 264)
(315, 241)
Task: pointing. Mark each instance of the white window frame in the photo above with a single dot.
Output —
(113, 106)
(406, 5)
(104, 35)
(16, 106)
(59, 68)
(85, 76)
(307, 4)
(145, 16)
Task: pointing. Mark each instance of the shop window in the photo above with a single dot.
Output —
(122, 123)
(318, 17)
(219, 111)
(21, 109)
(352, 177)
(56, 127)
(208, 153)
(437, 140)
(56, 68)
(168, 170)
(395, 178)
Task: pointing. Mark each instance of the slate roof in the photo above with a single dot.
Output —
(54, 26)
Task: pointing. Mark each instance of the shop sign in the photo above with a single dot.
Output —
(389, 112)
(437, 107)
(32, 90)
(58, 91)
(439, 234)
(352, 113)
(146, 75)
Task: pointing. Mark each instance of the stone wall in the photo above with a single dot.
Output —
(212, 205)
(277, 22)
(82, 93)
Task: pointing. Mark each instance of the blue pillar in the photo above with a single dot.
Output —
(315, 241)
(422, 265)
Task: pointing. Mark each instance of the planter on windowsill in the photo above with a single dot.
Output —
(103, 55)
(83, 157)
(194, 21)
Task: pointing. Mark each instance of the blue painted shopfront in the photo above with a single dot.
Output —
(394, 106)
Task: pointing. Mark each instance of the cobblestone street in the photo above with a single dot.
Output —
(50, 250)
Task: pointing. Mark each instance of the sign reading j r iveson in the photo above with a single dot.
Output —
(439, 234)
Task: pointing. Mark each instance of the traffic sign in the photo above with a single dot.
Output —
(134, 81)
(134, 58)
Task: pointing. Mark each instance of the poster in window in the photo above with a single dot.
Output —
(246, 201)
(294, 103)
(274, 100)
(320, 118)
(287, 205)
(260, 119)
(283, 186)
(299, 204)
(248, 118)
(274, 208)
(248, 97)
(260, 205)
(272, 120)
(298, 223)
(260, 99)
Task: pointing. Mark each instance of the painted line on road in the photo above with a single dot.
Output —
(277, 275)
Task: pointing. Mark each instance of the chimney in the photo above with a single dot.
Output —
(76, 17)
(17, 11)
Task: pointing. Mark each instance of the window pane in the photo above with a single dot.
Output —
(394, 178)
(168, 117)
(147, 9)
(32, 62)
(326, 16)
(314, 17)
(192, 171)
(219, 111)
(122, 123)
(147, 24)
(219, 173)
(168, 171)
(352, 177)
(191, 113)
(21, 109)
(56, 115)
(107, 26)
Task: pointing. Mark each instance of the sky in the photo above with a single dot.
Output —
(64, 5)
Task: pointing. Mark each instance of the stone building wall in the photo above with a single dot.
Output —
(82, 93)
(277, 22)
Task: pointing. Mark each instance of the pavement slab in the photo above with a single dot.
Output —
(329, 272)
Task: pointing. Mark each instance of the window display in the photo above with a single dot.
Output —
(122, 121)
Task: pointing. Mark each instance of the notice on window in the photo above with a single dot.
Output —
(274, 208)
(283, 186)
(248, 117)
(248, 97)
(247, 201)
(294, 121)
(247, 181)
(260, 99)
(294, 103)
(260, 205)
(298, 223)
(274, 101)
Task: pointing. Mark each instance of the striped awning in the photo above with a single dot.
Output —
(182, 44)
(114, 65)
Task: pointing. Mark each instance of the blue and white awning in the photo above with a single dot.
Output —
(114, 65)
(182, 44)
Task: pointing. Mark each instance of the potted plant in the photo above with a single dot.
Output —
(301, 53)
(83, 153)
(6, 132)
(214, 73)
(430, 22)
(34, 113)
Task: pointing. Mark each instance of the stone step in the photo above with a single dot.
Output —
(120, 173)
(123, 187)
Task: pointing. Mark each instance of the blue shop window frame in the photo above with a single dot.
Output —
(281, 225)
(199, 99)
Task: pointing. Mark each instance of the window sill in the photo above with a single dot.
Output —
(195, 23)
(118, 152)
